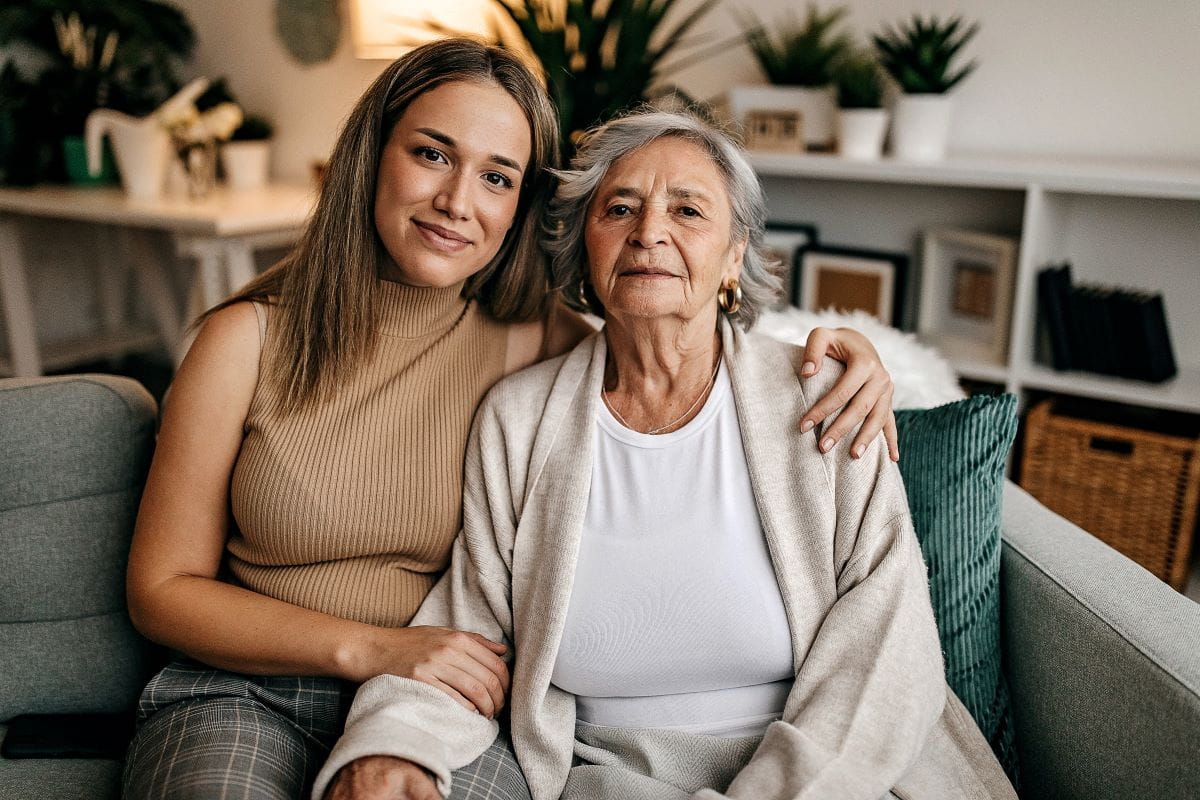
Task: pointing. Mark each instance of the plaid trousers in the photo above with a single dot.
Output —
(206, 733)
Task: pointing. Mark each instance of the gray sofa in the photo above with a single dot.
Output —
(1103, 659)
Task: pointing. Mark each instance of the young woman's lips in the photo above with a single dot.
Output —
(441, 238)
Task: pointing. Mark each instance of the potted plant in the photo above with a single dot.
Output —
(799, 59)
(862, 121)
(601, 57)
(86, 54)
(246, 157)
(918, 56)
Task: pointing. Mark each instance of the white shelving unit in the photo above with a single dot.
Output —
(1126, 223)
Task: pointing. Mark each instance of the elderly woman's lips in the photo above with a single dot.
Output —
(647, 272)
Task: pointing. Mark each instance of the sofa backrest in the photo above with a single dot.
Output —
(74, 452)
(1103, 662)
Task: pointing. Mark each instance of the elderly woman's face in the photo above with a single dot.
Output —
(658, 233)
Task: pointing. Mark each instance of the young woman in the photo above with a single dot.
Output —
(306, 487)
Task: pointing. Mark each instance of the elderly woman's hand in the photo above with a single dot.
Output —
(865, 390)
(382, 778)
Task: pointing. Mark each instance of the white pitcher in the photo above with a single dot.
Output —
(141, 144)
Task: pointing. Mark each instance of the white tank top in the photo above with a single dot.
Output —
(675, 619)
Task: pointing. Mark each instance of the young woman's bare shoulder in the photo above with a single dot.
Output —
(223, 359)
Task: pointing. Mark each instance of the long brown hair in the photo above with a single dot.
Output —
(324, 291)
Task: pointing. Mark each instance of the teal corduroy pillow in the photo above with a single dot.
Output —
(952, 459)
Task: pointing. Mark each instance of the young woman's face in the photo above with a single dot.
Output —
(449, 181)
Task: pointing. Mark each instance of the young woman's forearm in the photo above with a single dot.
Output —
(236, 629)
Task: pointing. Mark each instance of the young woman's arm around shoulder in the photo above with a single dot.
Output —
(174, 595)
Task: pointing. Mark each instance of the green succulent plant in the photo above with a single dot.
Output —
(918, 54)
(600, 58)
(858, 79)
(798, 53)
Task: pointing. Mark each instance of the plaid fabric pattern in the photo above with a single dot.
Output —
(207, 733)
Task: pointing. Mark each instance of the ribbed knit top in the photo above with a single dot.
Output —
(350, 506)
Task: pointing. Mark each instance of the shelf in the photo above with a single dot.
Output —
(970, 359)
(1130, 178)
(1181, 393)
(93, 348)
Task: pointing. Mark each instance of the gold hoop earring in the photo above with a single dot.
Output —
(729, 298)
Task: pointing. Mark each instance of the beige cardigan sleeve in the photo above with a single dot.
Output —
(871, 686)
(407, 718)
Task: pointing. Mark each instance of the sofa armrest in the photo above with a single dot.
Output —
(1103, 661)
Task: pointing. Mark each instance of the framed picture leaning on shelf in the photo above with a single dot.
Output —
(849, 279)
(967, 293)
(784, 241)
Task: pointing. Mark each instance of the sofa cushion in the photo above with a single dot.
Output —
(76, 450)
(952, 458)
(58, 778)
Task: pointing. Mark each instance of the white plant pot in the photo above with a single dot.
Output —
(816, 104)
(246, 164)
(861, 132)
(921, 127)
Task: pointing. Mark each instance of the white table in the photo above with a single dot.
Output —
(221, 232)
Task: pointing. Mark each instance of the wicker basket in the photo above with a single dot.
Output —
(1134, 489)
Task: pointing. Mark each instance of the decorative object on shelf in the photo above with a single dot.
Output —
(862, 120)
(967, 281)
(1102, 329)
(75, 162)
(918, 56)
(81, 55)
(783, 243)
(846, 278)
(309, 29)
(774, 131)
(142, 144)
(246, 157)
(195, 134)
(798, 59)
(1135, 488)
(921, 377)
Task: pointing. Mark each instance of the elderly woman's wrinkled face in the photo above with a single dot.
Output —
(658, 233)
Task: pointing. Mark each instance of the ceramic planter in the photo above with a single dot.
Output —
(921, 127)
(817, 104)
(861, 132)
(246, 164)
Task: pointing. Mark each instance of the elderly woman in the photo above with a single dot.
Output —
(700, 601)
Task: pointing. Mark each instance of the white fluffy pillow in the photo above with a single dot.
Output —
(922, 378)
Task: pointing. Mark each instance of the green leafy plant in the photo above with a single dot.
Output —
(918, 54)
(798, 53)
(600, 57)
(858, 80)
(88, 54)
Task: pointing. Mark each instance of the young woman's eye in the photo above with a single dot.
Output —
(499, 180)
(430, 154)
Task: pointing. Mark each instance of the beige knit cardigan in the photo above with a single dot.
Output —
(869, 711)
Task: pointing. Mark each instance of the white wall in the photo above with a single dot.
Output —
(1085, 77)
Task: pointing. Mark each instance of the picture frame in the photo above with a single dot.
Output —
(774, 130)
(967, 280)
(850, 279)
(783, 242)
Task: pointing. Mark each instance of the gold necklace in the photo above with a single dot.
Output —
(703, 392)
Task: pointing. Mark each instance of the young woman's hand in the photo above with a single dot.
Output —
(466, 666)
(864, 390)
(382, 778)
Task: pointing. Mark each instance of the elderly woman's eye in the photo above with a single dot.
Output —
(620, 210)
(689, 211)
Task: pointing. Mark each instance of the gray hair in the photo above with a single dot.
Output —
(602, 147)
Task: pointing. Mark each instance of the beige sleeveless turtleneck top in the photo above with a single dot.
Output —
(350, 507)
